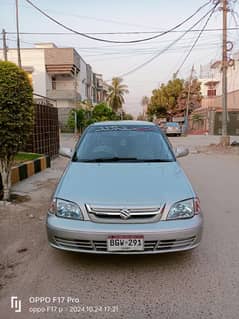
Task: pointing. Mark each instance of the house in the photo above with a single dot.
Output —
(101, 88)
(210, 113)
(61, 75)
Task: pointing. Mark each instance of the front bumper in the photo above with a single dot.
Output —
(90, 237)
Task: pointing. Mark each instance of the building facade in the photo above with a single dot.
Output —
(208, 118)
(59, 74)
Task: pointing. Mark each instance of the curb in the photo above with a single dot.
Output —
(29, 168)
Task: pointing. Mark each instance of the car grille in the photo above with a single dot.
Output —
(101, 246)
(121, 215)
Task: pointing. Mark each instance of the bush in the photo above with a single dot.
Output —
(101, 112)
(16, 117)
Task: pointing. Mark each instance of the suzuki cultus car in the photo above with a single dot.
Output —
(124, 192)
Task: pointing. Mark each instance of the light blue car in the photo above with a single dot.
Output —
(173, 129)
(124, 192)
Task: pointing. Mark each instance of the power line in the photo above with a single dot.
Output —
(95, 18)
(128, 49)
(15, 40)
(102, 58)
(167, 48)
(196, 40)
(123, 33)
(112, 41)
(112, 46)
(146, 50)
(234, 18)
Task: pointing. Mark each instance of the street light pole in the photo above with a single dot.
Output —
(4, 44)
(75, 93)
(225, 139)
(188, 100)
(18, 38)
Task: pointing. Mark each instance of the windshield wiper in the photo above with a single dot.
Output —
(155, 160)
(109, 159)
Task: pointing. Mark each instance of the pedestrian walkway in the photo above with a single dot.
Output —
(68, 140)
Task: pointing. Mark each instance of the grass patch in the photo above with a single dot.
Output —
(22, 157)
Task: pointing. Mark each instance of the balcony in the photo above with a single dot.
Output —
(62, 61)
(69, 94)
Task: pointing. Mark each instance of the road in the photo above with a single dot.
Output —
(196, 285)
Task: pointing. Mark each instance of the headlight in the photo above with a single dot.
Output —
(184, 209)
(65, 209)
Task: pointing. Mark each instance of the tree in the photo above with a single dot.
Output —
(140, 117)
(16, 118)
(164, 99)
(100, 112)
(83, 111)
(194, 98)
(156, 111)
(81, 115)
(127, 116)
(171, 99)
(86, 105)
(115, 97)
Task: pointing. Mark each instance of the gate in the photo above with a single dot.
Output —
(45, 135)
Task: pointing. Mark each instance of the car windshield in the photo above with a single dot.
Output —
(126, 143)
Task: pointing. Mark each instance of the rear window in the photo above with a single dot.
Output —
(173, 124)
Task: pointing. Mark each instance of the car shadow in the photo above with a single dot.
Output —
(126, 261)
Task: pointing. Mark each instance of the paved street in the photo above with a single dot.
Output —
(197, 285)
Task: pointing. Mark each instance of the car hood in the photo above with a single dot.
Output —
(136, 184)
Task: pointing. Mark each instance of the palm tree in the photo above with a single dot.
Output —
(116, 93)
(145, 103)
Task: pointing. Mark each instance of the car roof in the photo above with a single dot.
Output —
(124, 122)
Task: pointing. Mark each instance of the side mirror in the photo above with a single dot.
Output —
(181, 151)
(65, 151)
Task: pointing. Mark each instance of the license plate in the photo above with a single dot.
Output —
(125, 243)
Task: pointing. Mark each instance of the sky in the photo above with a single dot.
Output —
(143, 16)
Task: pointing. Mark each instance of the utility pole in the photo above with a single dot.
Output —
(225, 139)
(4, 44)
(188, 100)
(75, 96)
(18, 38)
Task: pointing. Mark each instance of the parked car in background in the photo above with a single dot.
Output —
(124, 192)
(172, 128)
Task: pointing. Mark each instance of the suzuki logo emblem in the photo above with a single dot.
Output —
(125, 214)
